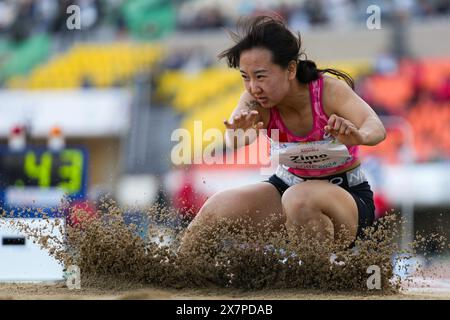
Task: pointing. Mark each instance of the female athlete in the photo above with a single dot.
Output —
(319, 185)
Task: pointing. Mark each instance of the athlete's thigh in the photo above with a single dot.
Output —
(332, 200)
(257, 201)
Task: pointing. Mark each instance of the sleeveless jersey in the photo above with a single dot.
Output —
(316, 154)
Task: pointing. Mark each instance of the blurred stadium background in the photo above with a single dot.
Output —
(136, 70)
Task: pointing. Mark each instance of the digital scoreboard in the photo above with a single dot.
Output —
(34, 182)
(38, 174)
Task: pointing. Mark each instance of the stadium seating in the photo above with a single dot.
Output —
(411, 94)
(188, 92)
(99, 65)
(19, 59)
(417, 91)
(392, 92)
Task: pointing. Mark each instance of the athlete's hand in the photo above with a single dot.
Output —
(245, 120)
(344, 130)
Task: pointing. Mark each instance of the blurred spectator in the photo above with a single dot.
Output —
(60, 25)
(7, 15)
(299, 19)
(207, 18)
(22, 18)
(301, 14)
(197, 61)
(316, 11)
(385, 64)
(45, 14)
(187, 200)
(339, 13)
(442, 7)
(90, 14)
(423, 8)
(382, 206)
(23, 23)
(176, 59)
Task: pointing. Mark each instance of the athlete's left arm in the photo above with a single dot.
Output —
(351, 119)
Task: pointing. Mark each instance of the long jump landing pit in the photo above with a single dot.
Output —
(421, 289)
(157, 264)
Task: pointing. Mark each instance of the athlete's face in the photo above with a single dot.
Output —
(266, 81)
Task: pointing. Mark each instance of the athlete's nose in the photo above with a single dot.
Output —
(254, 88)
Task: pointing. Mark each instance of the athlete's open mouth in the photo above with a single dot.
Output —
(261, 99)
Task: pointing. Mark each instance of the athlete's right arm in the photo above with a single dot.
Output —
(244, 123)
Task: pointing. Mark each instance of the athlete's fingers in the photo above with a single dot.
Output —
(337, 124)
(331, 120)
(351, 130)
(248, 116)
(252, 121)
(258, 125)
(230, 125)
(227, 124)
(345, 124)
(239, 122)
(348, 130)
(253, 114)
(244, 120)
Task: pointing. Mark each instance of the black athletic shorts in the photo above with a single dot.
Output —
(362, 194)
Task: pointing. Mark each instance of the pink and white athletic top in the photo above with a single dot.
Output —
(316, 154)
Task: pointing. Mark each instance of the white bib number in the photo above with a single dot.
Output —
(322, 154)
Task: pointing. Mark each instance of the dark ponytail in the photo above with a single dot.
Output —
(273, 35)
(307, 71)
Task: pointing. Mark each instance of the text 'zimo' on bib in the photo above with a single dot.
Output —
(321, 154)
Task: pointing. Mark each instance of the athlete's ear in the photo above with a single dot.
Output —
(292, 70)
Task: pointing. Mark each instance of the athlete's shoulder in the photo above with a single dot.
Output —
(335, 93)
(332, 85)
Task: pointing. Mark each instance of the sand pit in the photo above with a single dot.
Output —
(117, 263)
(59, 291)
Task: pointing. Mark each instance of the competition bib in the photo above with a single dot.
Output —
(321, 154)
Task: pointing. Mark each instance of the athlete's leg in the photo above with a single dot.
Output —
(257, 201)
(321, 208)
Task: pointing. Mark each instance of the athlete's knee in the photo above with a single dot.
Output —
(299, 205)
(296, 198)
